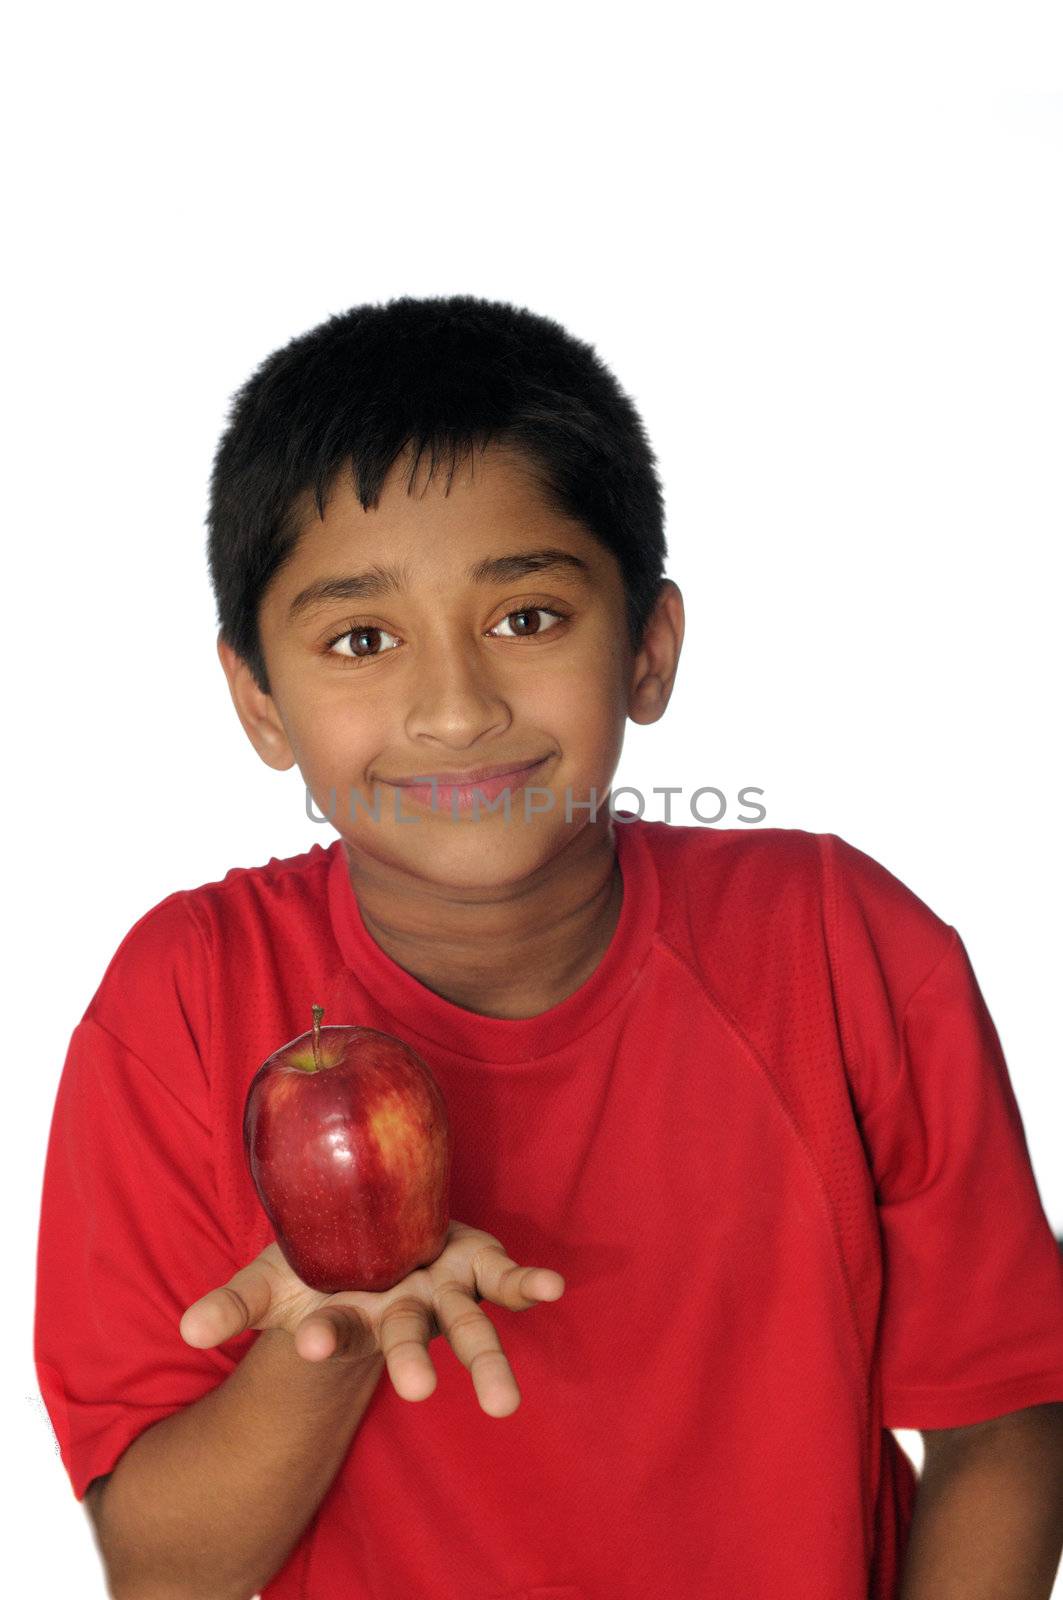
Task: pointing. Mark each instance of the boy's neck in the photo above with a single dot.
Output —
(508, 958)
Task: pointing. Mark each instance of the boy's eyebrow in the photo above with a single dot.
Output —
(379, 580)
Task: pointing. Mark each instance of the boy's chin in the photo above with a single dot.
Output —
(467, 852)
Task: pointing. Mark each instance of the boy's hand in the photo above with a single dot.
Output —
(398, 1324)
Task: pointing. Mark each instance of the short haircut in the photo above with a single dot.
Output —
(444, 374)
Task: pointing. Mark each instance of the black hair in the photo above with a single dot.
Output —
(444, 374)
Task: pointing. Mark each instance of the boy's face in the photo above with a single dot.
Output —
(451, 674)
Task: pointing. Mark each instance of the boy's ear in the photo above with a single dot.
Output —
(655, 665)
(257, 711)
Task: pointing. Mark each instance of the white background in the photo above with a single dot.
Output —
(821, 250)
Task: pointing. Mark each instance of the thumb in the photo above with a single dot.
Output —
(244, 1302)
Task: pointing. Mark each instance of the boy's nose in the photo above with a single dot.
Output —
(456, 705)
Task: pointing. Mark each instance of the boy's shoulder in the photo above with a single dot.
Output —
(758, 890)
(712, 872)
(171, 948)
(277, 877)
(821, 863)
(681, 847)
(218, 936)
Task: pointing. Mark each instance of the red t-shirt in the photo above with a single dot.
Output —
(771, 1144)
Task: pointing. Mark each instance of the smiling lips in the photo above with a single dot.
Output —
(485, 784)
(475, 775)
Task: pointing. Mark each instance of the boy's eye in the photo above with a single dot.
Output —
(358, 631)
(524, 632)
(361, 632)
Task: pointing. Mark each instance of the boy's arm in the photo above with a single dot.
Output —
(209, 1503)
(988, 1517)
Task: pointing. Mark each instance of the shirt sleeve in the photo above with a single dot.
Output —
(130, 1224)
(971, 1322)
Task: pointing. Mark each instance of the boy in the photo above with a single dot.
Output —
(731, 1101)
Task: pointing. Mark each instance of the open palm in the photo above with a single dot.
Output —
(399, 1323)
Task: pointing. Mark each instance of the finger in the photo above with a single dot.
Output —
(499, 1278)
(477, 1346)
(331, 1333)
(403, 1335)
(243, 1302)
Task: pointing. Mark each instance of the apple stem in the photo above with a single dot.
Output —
(317, 1012)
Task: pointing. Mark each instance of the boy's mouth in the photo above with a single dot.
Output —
(474, 774)
(456, 790)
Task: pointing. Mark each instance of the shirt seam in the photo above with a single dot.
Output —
(828, 890)
(950, 1391)
(900, 1077)
(953, 940)
(830, 899)
(207, 942)
(146, 1067)
(839, 1256)
(184, 897)
(223, 1186)
(180, 897)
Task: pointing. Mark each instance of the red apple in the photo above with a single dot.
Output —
(348, 1142)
